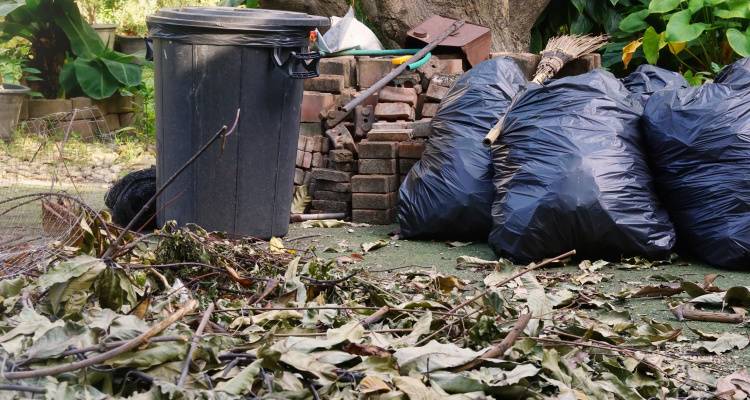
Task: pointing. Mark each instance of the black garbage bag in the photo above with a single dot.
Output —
(570, 173)
(699, 145)
(448, 193)
(649, 79)
(129, 194)
(736, 75)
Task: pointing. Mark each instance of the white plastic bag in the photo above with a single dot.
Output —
(347, 33)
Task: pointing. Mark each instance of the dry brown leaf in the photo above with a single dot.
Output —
(366, 350)
(373, 384)
(244, 282)
(734, 387)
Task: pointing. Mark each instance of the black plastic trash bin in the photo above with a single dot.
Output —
(209, 62)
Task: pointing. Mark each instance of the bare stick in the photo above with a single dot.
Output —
(23, 388)
(526, 271)
(688, 311)
(315, 217)
(194, 343)
(271, 285)
(499, 349)
(375, 317)
(131, 345)
(222, 133)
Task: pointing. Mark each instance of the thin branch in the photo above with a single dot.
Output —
(194, 343)
(526, 271)
(130, 345)
(499, 349)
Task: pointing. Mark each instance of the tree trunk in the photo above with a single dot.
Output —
(510, 20)
(48, 50)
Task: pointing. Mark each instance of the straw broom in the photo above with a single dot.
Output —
(559, 51)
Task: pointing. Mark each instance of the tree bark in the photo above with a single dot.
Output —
(48, 50)
(510, 20)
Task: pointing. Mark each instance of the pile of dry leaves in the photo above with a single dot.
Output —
(188, 314)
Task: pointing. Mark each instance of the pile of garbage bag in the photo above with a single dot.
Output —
(448, 193)
(571, 173)
(607, 167)
(699, 142)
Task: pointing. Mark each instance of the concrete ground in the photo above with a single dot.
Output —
(442, 257)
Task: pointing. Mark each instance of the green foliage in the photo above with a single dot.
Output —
(14, 56)
(92, 69)
(696, 37)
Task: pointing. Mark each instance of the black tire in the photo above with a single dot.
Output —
(128, 195)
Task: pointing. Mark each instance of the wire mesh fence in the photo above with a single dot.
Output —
(53, 171)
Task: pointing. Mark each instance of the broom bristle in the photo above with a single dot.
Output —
(562, 49)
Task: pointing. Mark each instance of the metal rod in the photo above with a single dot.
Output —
(346, 109)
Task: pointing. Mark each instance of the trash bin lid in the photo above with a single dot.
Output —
(237, 19)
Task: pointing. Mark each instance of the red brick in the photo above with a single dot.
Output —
(315, 103)
(309, 144)
(371, 70)
(331, 206)
(330, 175)
(380, 125)
(527, 62)
(300, 158)
(421, 128)
(345, 66)
(411, 149)
(310, 128)
(451, 65)
(394, 111)
(301, 143)
(436, 92)
(405, 165)
(332, 196)
(349, 166)
(429, 110)
(341, 155)
(389, 135)
(84, 129)
(307, 161)
(390, 94)
(319, 144)
(333, 186)
(374, 183)
(374, 217)
(299, 176)
(371, 166)
(374, 201)
(367, 149)
(317, 160)
(326, 84)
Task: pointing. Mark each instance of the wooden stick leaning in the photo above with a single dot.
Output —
(558, 52)
(98, 359)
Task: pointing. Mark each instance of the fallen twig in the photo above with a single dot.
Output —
(525, 271)
(688, 312)
(499, 349)
(130, 345)
(315, 334)
(194, 343)
(23, 388)
(375, 317)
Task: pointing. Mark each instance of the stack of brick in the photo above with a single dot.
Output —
(311, 153)
(375, 188)
(331, 191)
(408, 154)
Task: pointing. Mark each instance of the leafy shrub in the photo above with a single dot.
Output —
(696, 37)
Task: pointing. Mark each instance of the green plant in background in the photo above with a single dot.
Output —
(697, 37)
(14, 58)
(66, 50)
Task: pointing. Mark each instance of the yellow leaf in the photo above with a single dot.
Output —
(629, 50)
(677, 47)
(373, 384)
(275, 245)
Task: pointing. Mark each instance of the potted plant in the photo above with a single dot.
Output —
(66, 50)
(12, 94)
(11, 100)
(131, 31)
